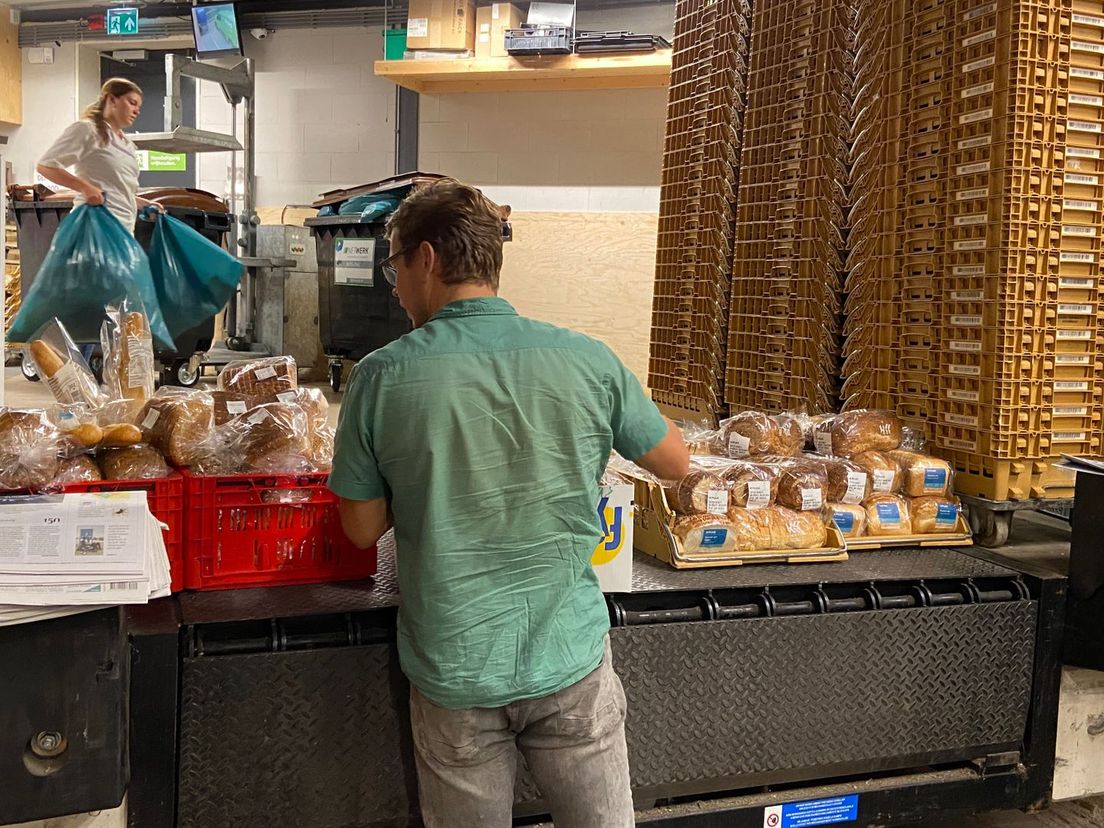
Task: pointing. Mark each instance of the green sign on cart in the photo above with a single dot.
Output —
(122, 21)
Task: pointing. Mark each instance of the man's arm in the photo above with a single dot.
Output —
(364, 521)
(670, 459)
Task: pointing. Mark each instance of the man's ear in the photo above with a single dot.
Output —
(428, 254)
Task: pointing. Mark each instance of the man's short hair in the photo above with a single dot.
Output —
(463, 226)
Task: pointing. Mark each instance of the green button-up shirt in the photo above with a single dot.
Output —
(489, 433)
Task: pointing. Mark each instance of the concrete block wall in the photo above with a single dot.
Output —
(50, 104)
(324, 120)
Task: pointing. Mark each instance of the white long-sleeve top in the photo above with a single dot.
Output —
(112, 167)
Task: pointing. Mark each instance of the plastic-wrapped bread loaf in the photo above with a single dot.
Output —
(847, 481)
(276, 439)
(29, 448)
(133, 463)
(269, 377)
(706, 535)
(177, 422)
(755, 434)
(849, 519)
(751, 485)
(752, 527)
(885, 473)
(887, 514)
(79, 469)
(229, 404)
(129, 371)
(854, 432)
(802, 487)
(924, 476)
(699, 493)
(791, 529)
(934, 515)
(66, 374)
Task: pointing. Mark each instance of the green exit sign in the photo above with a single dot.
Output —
(122, 21)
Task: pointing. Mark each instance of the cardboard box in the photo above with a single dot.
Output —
(503, 16)
(483, 32)
(441, 24)
(612, 557)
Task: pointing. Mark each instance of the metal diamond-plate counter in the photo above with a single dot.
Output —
(767, 700)
(651, 575)
(308, 599)
(294, 739)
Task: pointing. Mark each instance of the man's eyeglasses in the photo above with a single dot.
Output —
(388, 266)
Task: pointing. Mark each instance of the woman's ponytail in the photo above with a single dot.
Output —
(94, 112)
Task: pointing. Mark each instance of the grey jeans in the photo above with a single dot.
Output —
(573, 742)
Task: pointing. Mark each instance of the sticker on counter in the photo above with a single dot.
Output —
(946, 514)
(355, 262)
(884, 480)
(935, 480)
(812, 813)
(758, 494)
(716, 501)
(845, 521)
(712, 538)
(812, 499)
(856, 487)
(738, 445)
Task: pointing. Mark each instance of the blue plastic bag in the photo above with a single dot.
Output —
(194, 277)
(369, 207)
(93, 262)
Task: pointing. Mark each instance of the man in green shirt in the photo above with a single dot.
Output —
(482, 436)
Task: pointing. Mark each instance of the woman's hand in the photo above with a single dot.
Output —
(92, 194)
(145, 202)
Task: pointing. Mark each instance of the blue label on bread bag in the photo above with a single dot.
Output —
(844, 520)
(935, 479)
(713, 537)
(889, 514)
(946, 514)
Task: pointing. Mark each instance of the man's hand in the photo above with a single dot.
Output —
(670, 459)
(364, 521)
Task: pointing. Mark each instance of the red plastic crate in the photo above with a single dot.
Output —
(165, 497)
(264, 530)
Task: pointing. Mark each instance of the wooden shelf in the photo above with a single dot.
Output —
(548, 73)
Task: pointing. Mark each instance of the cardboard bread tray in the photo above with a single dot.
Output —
(653, 536)
(961, 536)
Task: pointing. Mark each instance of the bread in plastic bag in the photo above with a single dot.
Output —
(29, 449)
(177, 421)
(818, 433)
(79, 431)
(752, 485)
(887, 514)
(229, 404)
(849, 519)
(793, 529)
(755, 434)
(133, 463)
(848, 482)
(79, 469)
(266, 377)
(58, 362)
(854, 432)
(698, 493)
(120, 435)
(706, 535)
(924, 475)
(700, 439)
(129, 370)
(752, 527)
(934, 515)
(885, 473)
(802, 486)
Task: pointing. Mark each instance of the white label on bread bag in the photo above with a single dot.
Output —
(286, 396)
(884, 480)
(758, 494)
(812, 499)
(823, 442)
(738, 445)
(716, 501)
(236, 407)
(258, 416)
(267, 372)
(66, 385)
(151, 419)
(856, 487)
(139, 361)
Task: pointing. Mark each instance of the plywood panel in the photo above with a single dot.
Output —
(592, 272)
(11, 70)
(286, 215)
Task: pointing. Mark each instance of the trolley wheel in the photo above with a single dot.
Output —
(990, 528)
(237, 343)
(335, 375)
(26, 367)
(185, 374)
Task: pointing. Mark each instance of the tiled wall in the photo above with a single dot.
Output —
(324, 120)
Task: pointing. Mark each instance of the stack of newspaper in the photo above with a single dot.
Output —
(72, 553)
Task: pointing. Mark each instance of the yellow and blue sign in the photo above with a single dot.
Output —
(612, 558)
